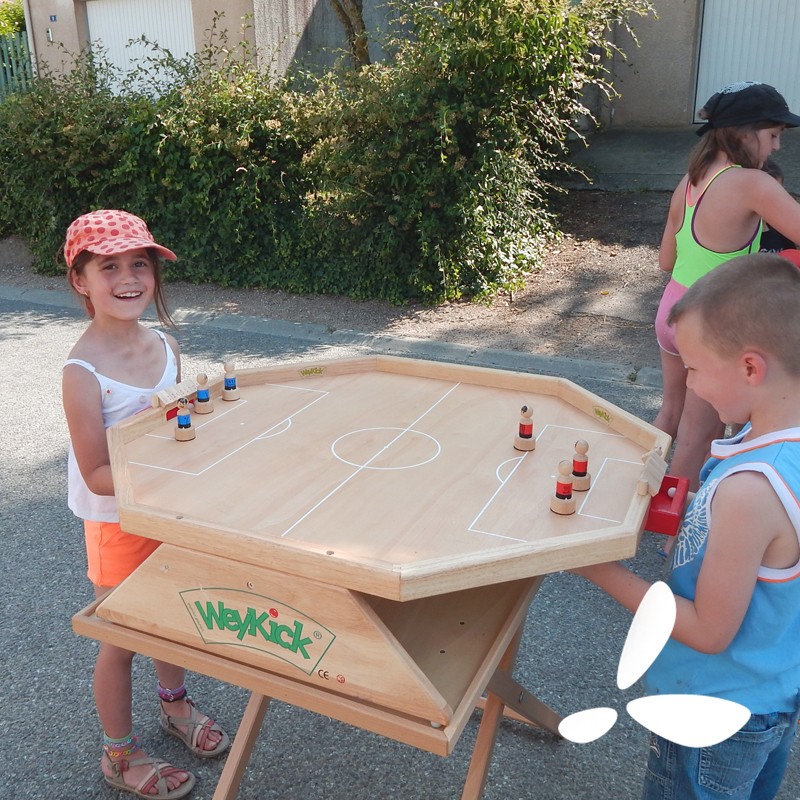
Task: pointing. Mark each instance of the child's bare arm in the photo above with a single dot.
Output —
(774, 204)
(749, 527)
(83, 409)
(667, 252)
(171, 341)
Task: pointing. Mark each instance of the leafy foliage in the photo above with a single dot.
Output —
(425, 177)
(12, 17)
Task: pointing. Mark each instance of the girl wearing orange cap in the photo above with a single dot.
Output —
(115, 367)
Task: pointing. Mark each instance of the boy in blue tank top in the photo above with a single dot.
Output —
(736, 562)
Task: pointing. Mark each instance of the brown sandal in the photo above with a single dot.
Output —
(156, 778)
(199, 726)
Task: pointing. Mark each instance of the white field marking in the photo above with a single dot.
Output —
(503, 481)
(273, 431)
(364, 466)
(404, 430)
(596, 477)
(580, 430)
(199, 425)
(597, 474)
(285, 423)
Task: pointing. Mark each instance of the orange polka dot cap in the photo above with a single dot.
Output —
(107, 232)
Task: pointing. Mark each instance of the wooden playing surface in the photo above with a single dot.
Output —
(390, 476)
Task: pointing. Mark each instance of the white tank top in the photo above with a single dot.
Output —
(120, 401)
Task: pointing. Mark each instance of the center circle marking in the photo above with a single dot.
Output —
(386, 448)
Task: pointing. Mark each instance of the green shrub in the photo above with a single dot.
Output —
(12, 17)
(425, 177)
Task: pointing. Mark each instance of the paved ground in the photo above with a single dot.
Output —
(655, 159)
(51, 741)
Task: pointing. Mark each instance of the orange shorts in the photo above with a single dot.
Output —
(113, 554)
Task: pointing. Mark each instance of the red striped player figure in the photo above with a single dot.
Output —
(581, 479)
(562, 502)
(184, 432)
(203, 403)
(230, 390)
(524, 439)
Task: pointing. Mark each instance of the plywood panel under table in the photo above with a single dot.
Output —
(428, 659)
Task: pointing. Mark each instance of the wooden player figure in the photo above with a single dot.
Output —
(203, 403)
(184, 432)
(524, 439)
(230, 390)
(581, 479)
(562, 502)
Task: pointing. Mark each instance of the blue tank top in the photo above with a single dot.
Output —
(760, 668)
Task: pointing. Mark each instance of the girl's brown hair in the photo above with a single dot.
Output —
(732, 141)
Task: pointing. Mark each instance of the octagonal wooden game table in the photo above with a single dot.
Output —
(361, 538)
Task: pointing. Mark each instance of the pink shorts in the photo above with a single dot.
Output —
(113, 554)
(665, 334)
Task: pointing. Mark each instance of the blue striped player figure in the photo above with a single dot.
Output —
(184, 432)
(230, 390)
(203, 403)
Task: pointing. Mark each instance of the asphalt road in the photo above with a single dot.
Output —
(51, 738)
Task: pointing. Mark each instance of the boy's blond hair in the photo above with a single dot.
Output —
(750, 302)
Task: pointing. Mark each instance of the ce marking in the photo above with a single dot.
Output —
(324, 674)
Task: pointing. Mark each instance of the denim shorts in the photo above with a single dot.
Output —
(748, 766)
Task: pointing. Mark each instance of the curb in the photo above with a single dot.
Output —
(573, 369)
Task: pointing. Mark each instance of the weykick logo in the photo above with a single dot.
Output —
(244, 619)
(686, 719)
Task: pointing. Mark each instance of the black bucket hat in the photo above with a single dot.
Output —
(745, 103)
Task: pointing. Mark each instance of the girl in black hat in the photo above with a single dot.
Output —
(716, 213)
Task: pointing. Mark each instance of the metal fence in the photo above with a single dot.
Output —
(15, 63)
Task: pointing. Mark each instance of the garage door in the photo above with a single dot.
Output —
(114, 23)
(755, 40)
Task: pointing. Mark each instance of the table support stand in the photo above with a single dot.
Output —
(242, 747)
(505, 697)
(440, 651)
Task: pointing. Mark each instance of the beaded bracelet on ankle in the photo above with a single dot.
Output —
(120, 748)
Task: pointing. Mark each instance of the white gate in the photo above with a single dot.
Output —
(754, 40)
(114, 23)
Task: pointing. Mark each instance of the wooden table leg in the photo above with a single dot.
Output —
(503, 691)
(242, 747)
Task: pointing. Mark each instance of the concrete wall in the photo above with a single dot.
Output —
(52, 41)
(48, 38)
(238, 20)
(656, 80)
(291, 33)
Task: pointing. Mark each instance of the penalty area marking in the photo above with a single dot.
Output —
(473, 526)
(276, 429)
